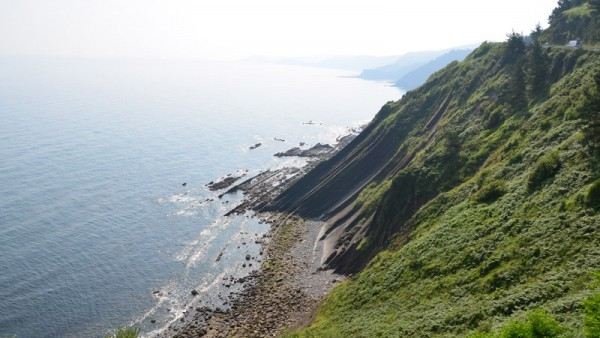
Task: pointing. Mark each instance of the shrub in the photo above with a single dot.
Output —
(517, 158)
(592, 197)
(126, 332)
(516, 329)
(545, 168)
(490, 192)
(538, 324)
(370, 195)
(592, 316)
(494, 120)
(544, 325)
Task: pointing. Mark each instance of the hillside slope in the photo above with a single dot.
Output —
(483, 188)
(429, 142)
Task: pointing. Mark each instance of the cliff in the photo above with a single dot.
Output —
(468, 202)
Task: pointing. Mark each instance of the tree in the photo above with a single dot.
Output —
(514, 55)
(563, 5)
(537, 66)
(592, 114)
(536, 34)
(517, 87)
(515, 48)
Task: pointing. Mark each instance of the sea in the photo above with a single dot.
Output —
(105, 217)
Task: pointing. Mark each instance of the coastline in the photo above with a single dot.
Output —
(283, 294)
(284, 291)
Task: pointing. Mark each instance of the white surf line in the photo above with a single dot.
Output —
(169, 288)
(191, 252)
(202, 289)
(178, 310)
(212, 232)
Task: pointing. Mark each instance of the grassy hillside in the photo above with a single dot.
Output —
(437, 137)
(487, 201)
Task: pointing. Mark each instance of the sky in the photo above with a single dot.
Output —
(232, 29)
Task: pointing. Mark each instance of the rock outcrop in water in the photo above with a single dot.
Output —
(317, 150)
(224, 182)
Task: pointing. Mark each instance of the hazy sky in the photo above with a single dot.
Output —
(241, 28)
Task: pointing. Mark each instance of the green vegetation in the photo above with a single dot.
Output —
(574, 19)
(540, 324)
(371, 194)
(591, 111)
(490, 192)
(579, 11)
(477, 115)
(514, 60)
(126, 332)
(537, 65)
(592, 317)
(537, 324)
(592, 197)
(544, 169)
(489, 217)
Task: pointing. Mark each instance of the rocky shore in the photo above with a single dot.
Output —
(285, 291)
(282, 295)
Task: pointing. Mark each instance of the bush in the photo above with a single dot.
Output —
(545, 168)
(126, 332)
(516, 329)
(538, 324)
(490, 192)
(494, 120)
(592, 197)
(373, 193)
(592, 317)
(544, 325)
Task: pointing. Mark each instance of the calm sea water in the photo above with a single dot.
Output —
(93, 154)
